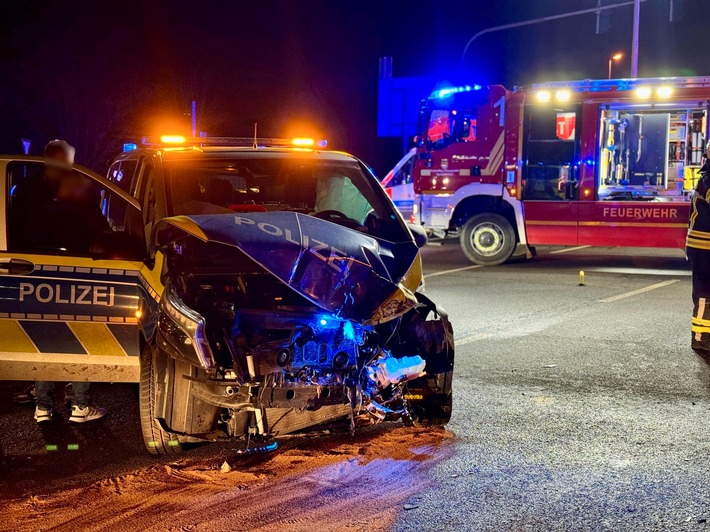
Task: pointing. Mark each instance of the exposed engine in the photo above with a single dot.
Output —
(278, 351)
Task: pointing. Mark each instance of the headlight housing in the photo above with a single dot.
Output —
(184, 330)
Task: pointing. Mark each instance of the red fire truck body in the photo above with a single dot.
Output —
(601, 163)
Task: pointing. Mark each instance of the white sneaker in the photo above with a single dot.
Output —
(88, 413)
(42, 415)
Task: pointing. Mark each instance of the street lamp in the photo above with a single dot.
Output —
(616, 57)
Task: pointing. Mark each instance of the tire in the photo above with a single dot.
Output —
(429, 397)
(156, 440)
(488, 239)
(433, 403)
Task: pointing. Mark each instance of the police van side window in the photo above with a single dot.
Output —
(123, 173)
(147, 196)
(53, 210)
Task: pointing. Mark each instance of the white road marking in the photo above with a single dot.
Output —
(471, 338)
(568, 249)
(639, 291)
(643, 271)
(455, 270)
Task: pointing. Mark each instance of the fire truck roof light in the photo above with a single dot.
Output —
(445, 93)
(563, 95)
(130, 146)
(664, 92)
(543, 96)
(172, 139)
(643, 92)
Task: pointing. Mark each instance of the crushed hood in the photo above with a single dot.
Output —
(343, 271)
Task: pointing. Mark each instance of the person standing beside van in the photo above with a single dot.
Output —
(698, 251)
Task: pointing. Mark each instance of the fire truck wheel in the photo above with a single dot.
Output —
(488, 239)
(156, 440)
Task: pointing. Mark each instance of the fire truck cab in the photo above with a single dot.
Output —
(592, 162)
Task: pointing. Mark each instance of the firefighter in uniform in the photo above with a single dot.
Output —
(698, 250)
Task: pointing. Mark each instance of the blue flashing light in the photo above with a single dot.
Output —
(323, 322)
(130, 146)
(348, 331)
(445, 93)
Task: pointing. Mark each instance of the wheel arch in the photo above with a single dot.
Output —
(477, 199)
(480, 204)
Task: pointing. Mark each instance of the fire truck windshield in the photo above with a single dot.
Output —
(450, 119)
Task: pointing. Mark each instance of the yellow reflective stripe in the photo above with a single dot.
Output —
(700, 321)
(78, 262)
(699, 244)
(699, 329)
(96, 339)
(699, 234)
(14, 338)
(694, 211)
(631, 224)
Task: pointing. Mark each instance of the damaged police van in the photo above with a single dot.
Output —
(263, 288)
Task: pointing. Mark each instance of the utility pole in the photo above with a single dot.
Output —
(635, 40)
(597, 10)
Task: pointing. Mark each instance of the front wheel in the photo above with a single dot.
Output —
(429, 400)
(488, 239)
(156, 440)
(429, 333)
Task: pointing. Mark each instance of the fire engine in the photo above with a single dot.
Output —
(591, 162)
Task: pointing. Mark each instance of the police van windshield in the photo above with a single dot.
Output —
(449, 119)
(338, 191)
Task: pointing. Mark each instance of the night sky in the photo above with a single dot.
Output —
(100, 73)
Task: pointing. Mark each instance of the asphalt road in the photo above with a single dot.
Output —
(576, 408)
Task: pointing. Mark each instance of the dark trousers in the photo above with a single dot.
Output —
(700, 326)
(45, 392)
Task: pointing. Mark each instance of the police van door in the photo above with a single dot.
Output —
(70, 274)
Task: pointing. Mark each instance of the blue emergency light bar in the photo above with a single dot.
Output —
(449, 91)
(130, 146)
(623, 84)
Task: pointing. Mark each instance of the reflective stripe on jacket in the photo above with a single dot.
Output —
(699, 223)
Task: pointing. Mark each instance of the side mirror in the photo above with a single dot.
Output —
(419, 234)
(571, 190)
